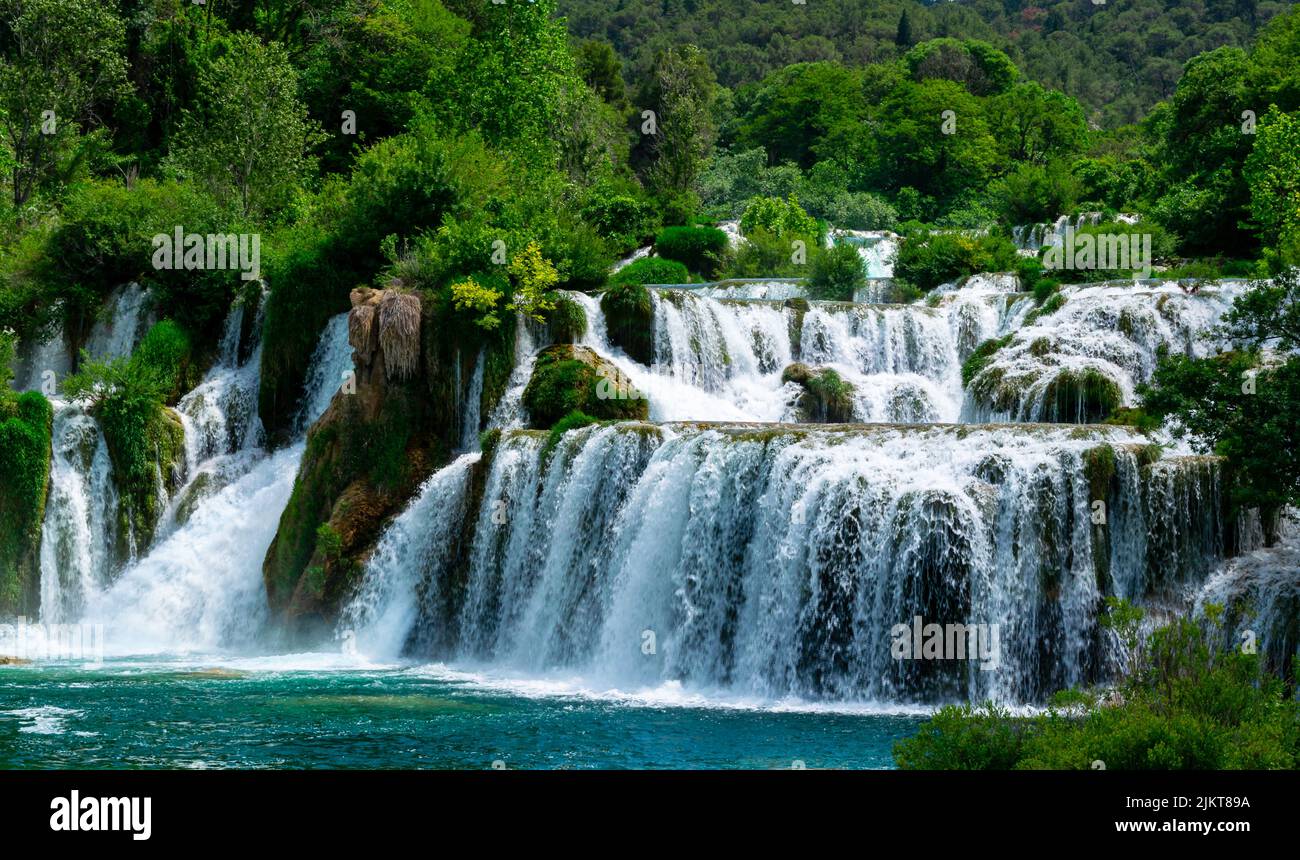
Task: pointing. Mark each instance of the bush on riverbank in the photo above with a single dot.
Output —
(1186, 705)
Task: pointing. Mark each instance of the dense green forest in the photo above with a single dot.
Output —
(1117, 58)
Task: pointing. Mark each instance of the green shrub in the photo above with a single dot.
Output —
(765, 254)
(780, 217)
(25, 424)
(619, 216)
(630, 320)
(567, 321)
(700, 249)
(1186, 705)
(837, 272)
(104, 240)
(927, 260)
(651, 270)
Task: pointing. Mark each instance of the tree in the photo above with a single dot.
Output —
(903, 37)
(978, 66)
(248, 137)
(59, 61)
(1272, 173)
(932, 136)
(680, 92)
(802, 111)
(1244, 405)
(599, 66)
(1034, 124)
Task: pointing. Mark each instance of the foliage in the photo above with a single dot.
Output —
(629, 319)
(837, 272)
(651, 270)
(247, 137)
(1242, 409)
(60, 60)
(781, 218)
(1184, 705)
(567, 321)
(25, 423)
(927, 260)
(700, 249)
(1272, 173)
(534, 280)
(468, 295)
(982, 69)
(680, 91)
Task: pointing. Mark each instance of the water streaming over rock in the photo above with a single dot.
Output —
(777, 561)
(199, 586)
(1076, 362)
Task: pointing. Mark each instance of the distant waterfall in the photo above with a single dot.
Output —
(777, 561)
(722, 360)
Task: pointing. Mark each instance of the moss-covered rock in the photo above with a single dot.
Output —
(797, 307)
(630, 320)
(980, 358)
(1085, 396)
(25, 426)
(569, 378)
(148, 469)
(371, 450)
(567, 322)
(827, 397)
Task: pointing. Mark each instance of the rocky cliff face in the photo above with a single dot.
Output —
(364, 457)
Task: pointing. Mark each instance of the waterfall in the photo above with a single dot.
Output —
(473, 406)
(1107, 333)
(122, 324)
(200, 585)
(876, 247)
(329, 369)
(776, 560)
(414, 552)
(125, 324)
(722, 360)
(1259, 593)
(509, 411)
(79, 530)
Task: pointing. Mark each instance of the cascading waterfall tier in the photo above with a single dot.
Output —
(722, 359)
(777, 560)
(199, 586)
(1077, 362)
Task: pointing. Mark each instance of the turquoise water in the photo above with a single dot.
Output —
(306, 713)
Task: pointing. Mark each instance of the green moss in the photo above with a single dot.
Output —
(567, 379)
(827, 397)
(1085, 396)
(573, 421)
(798, 308)
(1099, 466)
(568, 321)
(980, 358)
(1053, 304)
(25, 425)
(630, 320)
